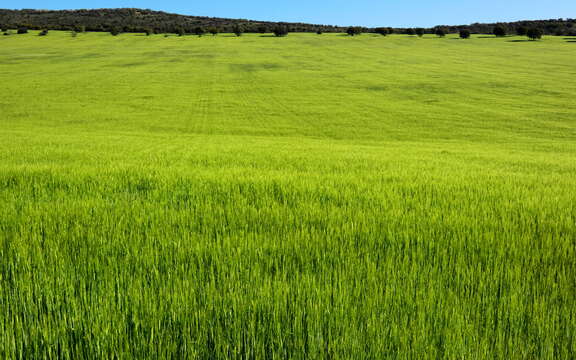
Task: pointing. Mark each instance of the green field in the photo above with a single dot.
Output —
(318, 197)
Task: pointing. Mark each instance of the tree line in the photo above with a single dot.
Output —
(117, 21)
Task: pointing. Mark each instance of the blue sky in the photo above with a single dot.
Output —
(400, 13)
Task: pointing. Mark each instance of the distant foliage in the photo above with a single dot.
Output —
(280, 31)
(382, 31)
(440, 32)
(22, 30)
(319, 32)
(354, 30)
(410, 31)
(499, 31)
(199, 31)
(263, 29)
(521, 31)
(148, 32)
(180, 32)
(115, 31)
(534, 34)
(214, 31)
(420, 32)
(464, 34)
(238, 30)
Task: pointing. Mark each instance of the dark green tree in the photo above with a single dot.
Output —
(464, 34)
(440, 32)
(410, 32)
(534, 34)
(22, 30)
(419, 32)
(319, 32)
(280, 31)
(238, 30)
(262, 29)
(499, 31)
(382, 31)
(199, 31)
(214, 31)
(521, 31)
(354, 30)
(115, 31)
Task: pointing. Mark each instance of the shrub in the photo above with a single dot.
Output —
(440, 32)
(319, 32)
(419, 32)
(280, 31)
(180, 32)
(43, 33)
(148, 32)
(7, 32)
(23, 30)
(353, 31)
(464, 34)
(410, 31)
(199, 31)
(214, 31)
(382, 31)
(238, 30)
(521, 31)
(115, 31)
(499, 31)
(534, 33)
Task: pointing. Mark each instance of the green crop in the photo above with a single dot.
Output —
(306, 197)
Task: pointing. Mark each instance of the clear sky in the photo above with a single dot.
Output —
(398, 13)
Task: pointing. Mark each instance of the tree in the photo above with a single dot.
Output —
(521, 31)
(419, 32)
(148, 32)
(319, 32)
(353, 31)
(440, 32)
(180, 32)
(382, 31)
(534, 34)
(43, 33)
(115, 31)
(464, 34)
(214, 31)
(199, 31)
(499, 31)
(262, 29)
(22, 30)
(280, 31)
(238, 30)
(410, 32)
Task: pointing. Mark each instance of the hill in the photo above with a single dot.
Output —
(139, 20)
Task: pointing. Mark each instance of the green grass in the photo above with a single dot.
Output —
(287, 198)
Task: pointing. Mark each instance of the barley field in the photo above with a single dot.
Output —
(307, 197)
